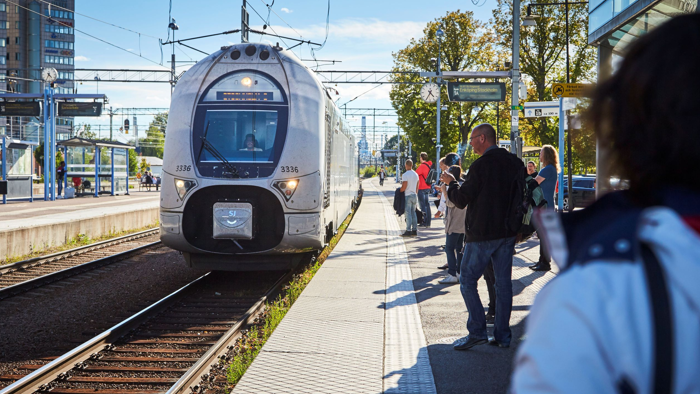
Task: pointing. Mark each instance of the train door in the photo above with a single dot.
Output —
(327, 151)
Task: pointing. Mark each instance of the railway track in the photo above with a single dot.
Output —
(28, 274)
(168, 347)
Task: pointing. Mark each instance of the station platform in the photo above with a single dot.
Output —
(30, 226)
(374, 319)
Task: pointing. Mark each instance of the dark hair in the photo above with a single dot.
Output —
(647, 111)
(488, 132)
(452, 159)
(456, 171)
(424, 156)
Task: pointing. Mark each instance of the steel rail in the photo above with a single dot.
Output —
(65, 363)
(198, 372)
(34, 261)
(25, 286)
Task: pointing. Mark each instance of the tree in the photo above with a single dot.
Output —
(143, 166)
(85, 131)
(133, 161)
(39, 155)
(466, 46)
(152, 145)
(543, 60)
(391, 145)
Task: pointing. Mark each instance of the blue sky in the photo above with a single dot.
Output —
(363, 34)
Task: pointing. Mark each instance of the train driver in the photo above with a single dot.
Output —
(250, 144)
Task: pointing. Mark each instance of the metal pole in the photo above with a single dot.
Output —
(398, 152)
(560, 199)
(112, 153)
(515, 78)
(4, 167)
(97, 170)
(602, 152)
(568, 134)
(47, 152)
(374, 136)
(52, 136)
(439, 81)
(111, 115)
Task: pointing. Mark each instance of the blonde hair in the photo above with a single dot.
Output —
(550, 156)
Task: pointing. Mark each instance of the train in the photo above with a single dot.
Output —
(259, 167)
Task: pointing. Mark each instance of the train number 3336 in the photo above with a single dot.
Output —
(183, 168)
(289, 169)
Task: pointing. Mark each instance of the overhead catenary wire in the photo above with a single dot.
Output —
(98, 20)
(263, 19)
(87, 34)
(328, 20)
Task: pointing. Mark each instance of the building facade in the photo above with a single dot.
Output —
(37, 34)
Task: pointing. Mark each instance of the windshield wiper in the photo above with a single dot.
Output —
(232, 170)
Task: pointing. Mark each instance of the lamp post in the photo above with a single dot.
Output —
(530, 20)
(439, 34)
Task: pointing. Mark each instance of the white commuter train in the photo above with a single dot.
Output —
(259, 166)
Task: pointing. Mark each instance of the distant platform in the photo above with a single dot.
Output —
(29, 226)
(374, 319)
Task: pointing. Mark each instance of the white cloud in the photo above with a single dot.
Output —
(81, 59)
(286, 10)
(356, 29)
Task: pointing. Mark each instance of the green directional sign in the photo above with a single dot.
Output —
(517, 107)
(474, 91)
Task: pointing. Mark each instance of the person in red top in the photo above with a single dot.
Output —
(423, 188)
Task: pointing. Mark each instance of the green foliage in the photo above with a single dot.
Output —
(368, 172)
(86, 132)
(133, 161)
(543, 60)
(466, 46)
(143, 166)
(39, 155)
(152, 145)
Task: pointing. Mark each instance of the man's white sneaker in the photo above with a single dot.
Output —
(449, 279)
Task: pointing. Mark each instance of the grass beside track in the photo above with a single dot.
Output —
(80, 240)
(253, 340)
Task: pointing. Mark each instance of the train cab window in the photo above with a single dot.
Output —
(240, 123)
(240, 136)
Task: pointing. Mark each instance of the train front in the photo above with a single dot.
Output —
(242, 187)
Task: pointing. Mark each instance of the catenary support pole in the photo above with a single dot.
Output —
(439, 94)
(602, 173)
(515, 78)
(52, 137)
(4, 166)
(47, 151)
(560, 194)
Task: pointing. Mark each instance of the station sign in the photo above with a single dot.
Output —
(571, 89)
(475, 91)
(28, 108)
(541, 109)
(79, 109)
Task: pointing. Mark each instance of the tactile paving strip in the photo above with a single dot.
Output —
(406, 363)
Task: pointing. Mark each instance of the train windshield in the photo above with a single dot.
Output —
(238, 136)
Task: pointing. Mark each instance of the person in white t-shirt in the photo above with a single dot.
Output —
(410, 189)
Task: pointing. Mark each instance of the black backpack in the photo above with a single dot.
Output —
(518, 206)
(432, 176)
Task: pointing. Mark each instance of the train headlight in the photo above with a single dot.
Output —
(183, 186)
(247, 81)
(287, 188)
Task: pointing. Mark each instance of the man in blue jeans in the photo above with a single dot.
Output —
(409, 185)
(488, 191)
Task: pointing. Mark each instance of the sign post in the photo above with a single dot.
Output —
(560, 197)
(74, 109)
(541, 109)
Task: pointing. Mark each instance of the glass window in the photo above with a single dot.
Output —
(239, 136)
(17, 40)
(600, 15)
(17, 56)
(16, 24)
(3, 42)
(19, 161)
(3, 7)
(3, 25)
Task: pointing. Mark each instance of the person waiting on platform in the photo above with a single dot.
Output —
(532, 168)
(382, 175)
(60, 174)
(409, 187)
(250, 144)
(623, 314)
(455, 219)
(488, 191)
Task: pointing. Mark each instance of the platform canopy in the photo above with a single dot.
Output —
(77, 141)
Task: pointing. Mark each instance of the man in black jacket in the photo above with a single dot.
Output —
(488, 192)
